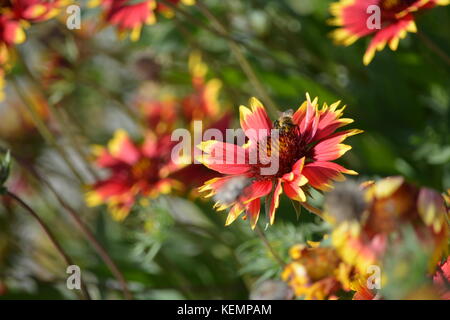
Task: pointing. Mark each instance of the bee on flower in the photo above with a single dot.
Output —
(136, 171)
(387, 21)
(302, 153)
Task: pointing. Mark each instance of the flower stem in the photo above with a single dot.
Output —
(50, 235)
(101, 251)
(433, 47)
(269, 246)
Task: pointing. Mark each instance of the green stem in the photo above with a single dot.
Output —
(433, 47)
(269, 246)
(50, 235)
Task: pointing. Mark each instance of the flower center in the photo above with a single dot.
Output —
(291, 147)
(142, 168)
(396, 5)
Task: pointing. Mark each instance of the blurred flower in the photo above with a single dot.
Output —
(136, 171)
(15, 15)
(167, 11)
(397, 17)
(203, 103)
(37, 10)
(159, 115)
(306, 146)
(391, 204)
(441, 279)
(317, 273)
(128, 16)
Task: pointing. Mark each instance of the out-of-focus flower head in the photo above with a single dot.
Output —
(11, 33)
(318, 273)
(397, 17)
(15, 15)
(203, 103)
(160, 115)
(441, 279)
(128, 16)
(362, 239)
(37, 10)
(168, 11)
(306, 146)
(136, 171)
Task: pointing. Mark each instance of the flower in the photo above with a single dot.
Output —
(306, 145)
(441, 279)
(203, 102)
(128, 16)
(397, 17)
(136, 170)
(391, 204)
(37, 10)
(318, 273)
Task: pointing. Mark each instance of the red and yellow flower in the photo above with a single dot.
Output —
(305, 149)
(397, 18)
(137, 171)
(128, 16)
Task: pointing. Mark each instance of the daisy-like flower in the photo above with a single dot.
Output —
(362, 238)
(128, 16)
(304, 151)
(137, 171)
(357, 19)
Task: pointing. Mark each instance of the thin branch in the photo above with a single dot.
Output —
(433, 47)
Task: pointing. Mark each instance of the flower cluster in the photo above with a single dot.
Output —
(360, 18)
(306, 146)
(148, 169)
(368, 224)
(318, 273)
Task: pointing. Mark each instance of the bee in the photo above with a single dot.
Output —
(284, 123)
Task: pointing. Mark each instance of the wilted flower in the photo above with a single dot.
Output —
(306, 145)
(357, 19)
(318, 273)
(391, 204)
(136, 171)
